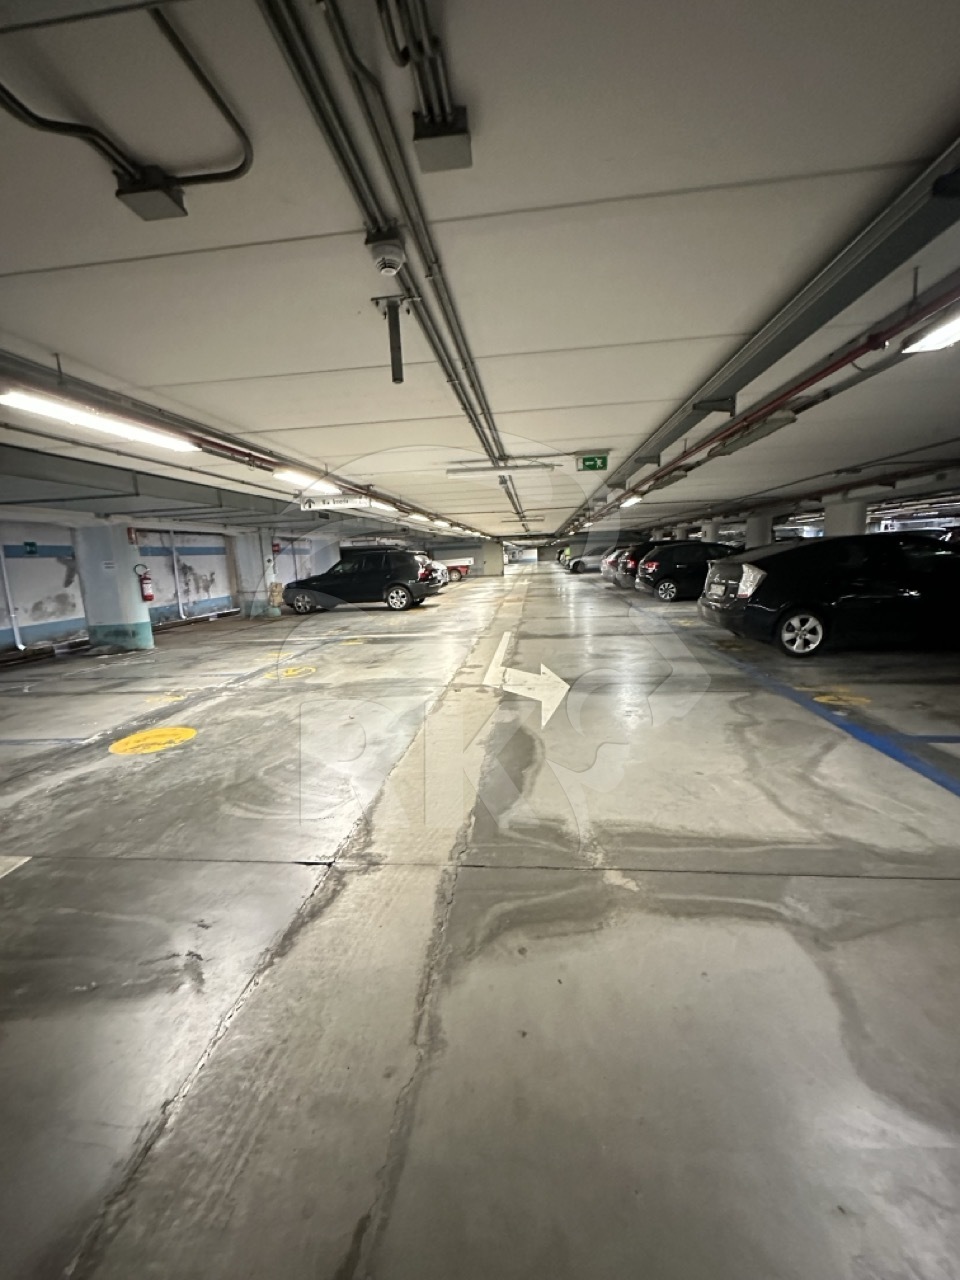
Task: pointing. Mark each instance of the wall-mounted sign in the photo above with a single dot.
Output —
(592, 461)
(30, 549)
(340, 504)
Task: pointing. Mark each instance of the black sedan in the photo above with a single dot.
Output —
(678, 570)
(879, 588)
(400, 579)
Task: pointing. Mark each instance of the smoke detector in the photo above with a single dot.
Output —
(388, 253)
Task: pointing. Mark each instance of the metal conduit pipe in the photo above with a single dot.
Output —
(287, 26)
(874, 341)
(176, 42)
(105, 147)
(922, 211)
(374, 104)
(887, 479)
(288, 30)
(8, 598)
(184, 616)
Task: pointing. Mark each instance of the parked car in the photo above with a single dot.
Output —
(626, 568)
(456, 571)
(608, 563)
(401, 579)
(678, 570)
(585, 562)
(440, 569)
(867, 589)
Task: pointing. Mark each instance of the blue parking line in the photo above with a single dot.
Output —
(931, 737)
(893, 746)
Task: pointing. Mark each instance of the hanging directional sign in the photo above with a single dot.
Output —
(592, 461)
(339, 504)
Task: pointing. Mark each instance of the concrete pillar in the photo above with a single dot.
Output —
(759, 531)
(681, 531)
(844, 516)
(253, 562)
(710, 530)
(491, 560)
(117, 615)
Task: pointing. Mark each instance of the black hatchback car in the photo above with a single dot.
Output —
(678, 570)
(400, 579)
(877, 588)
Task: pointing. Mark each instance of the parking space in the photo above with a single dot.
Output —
(377, 934)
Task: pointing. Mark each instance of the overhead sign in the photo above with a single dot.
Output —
(342, 503)
(30, 549)
(592, 461)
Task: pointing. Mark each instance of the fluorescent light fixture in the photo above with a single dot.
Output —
(303, 481)
(935, 339)
(510, 468)
(60, 411)
(631, 501)
(383, 506)
(415, 515)
(443, 524)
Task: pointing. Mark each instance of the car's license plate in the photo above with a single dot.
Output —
(717, 589)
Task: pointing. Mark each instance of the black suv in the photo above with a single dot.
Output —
(625, 568)
(678, 570)
(400, 579)
(863, 589)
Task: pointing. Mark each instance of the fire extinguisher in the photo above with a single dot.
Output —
(146, 582)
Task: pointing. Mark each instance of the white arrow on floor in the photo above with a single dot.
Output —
(547, 687)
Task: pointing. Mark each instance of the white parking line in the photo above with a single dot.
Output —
(10, 864)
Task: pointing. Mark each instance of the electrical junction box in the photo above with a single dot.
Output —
(152, 196)
(442, 146)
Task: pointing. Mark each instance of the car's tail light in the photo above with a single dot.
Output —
(750, 579)
(629, 564)
(426, 572)
(650, 566)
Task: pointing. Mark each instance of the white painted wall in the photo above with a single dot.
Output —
(203, 564)
(45, 587)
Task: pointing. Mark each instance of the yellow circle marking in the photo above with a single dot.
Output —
(289, 673)
(842, 699)
(150, 740)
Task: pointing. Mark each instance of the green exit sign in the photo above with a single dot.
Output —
(592, 461)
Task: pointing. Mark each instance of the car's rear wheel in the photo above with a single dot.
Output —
(455, 575)
(303, 602)
(801, 633)
(399, 597)
(666, 590)
(578, 566)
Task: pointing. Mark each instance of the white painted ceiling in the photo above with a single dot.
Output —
(650, 182)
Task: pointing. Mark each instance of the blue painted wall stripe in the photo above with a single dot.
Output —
(63, 629)
(50, 551)
(183, 551)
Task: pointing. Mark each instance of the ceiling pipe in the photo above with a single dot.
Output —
(923, 210)
(287, 26)
(874, 341)
(34, 376)
(379, 118)
(887, 480)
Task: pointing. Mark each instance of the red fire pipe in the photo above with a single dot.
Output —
(872, 342)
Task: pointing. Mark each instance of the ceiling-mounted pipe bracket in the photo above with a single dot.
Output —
(390, 307)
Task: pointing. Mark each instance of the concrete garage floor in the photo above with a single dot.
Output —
(377, 977)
